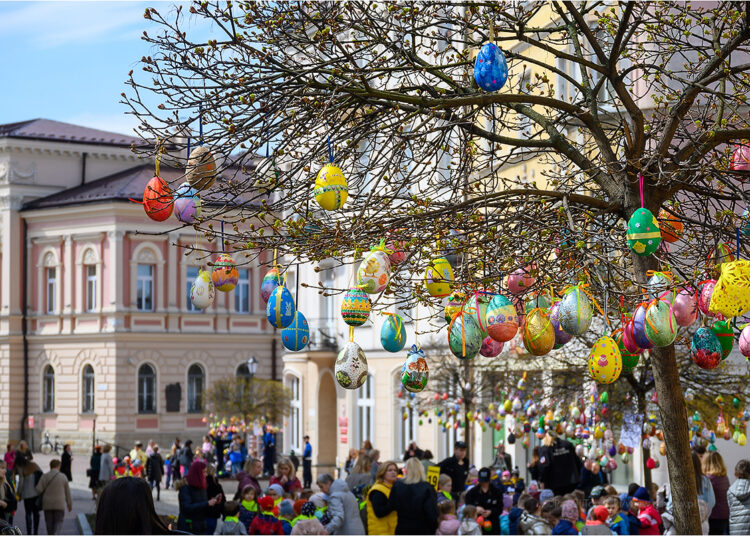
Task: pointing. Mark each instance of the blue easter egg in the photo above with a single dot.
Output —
(745, 223)
(490, 68)
(393, 334)
(296, 336)
(639, 328)
(280, 308)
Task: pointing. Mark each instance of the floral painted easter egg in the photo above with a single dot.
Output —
(644, 235)
(705, 291)
(270, 281)
(639, 327)
(331, 189)
(280, 309)
(501, 319)
(393, 333)
(561, 336)
(745, 341)
(538, 333)
(157, 199)
(350, 368)
(706, 349)
(187, 203)
(520, 281)
(575, 311)
(661, 327)
(201, 168)
(605, 361)
(202, 291)
(438, 277)
(491, 347)
(296, 336)
(414, 371)
(464, 336)
(225, 275)
(374, 272)
(723, 331)
(356, 306)
(455, 303)
(490, 67)
(685, 307)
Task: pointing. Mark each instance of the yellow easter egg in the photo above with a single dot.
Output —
(605, 361)
(331, 189)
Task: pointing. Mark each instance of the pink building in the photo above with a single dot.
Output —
(97, 331)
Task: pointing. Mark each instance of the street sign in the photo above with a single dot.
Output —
(433, 475)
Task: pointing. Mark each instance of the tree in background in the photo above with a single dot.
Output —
(248, 399)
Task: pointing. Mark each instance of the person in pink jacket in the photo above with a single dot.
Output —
(448, 522)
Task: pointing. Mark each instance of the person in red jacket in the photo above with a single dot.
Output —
(265, 522)
(647, 514)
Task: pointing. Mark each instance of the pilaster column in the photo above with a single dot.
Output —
(116, 270)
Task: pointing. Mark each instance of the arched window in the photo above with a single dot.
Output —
(365, 405)
(146, 389)
(48, 390)
(87, 404)
(196, 381)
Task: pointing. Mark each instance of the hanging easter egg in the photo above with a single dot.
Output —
(393, 333)
(491, 347)
(356, 306)
(685, 307)
(375, 271)
(629, 359)
(745, 228)
(187, 203)
(490, 67)
(575, 311)
(670, 225)
(719, 255)
(479, 313)
(731, 294)
(661, 328)
(330, 190)
(659, 286)
(201, 168)
(706, 349)
(644, 235)
(454, 305)
(280, 308)
(270, 281)
(639, 327)
(706, 290)
(745, 341)
(520, 281)
(501, 319)
(157, 199)
(628, 339)
(225, 275)
(438, 277)
(561, 336)
(464, 336)
(398, 247)
(723, 331)
(202, 291)
(350, 368)
(414, 371)
(605, 362)
(542, 301)
(296, 336)
(538, 333)
(741, 158)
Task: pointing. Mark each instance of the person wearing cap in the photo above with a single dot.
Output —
(596, 521)
(457, 467)
(560, 467)
(488, 500)
(568, 518)
(307, 464)
(648, 517)
(265, 522)
(286, 515)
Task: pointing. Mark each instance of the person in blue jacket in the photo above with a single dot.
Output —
(307, 464)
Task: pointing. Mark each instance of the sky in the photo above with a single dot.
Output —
(69, 61)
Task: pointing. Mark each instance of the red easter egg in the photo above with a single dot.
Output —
(157, 199)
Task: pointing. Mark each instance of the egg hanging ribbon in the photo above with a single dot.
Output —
(382, 247)
(397, 322)
(463, 327)
(581, 287)
(541, 331)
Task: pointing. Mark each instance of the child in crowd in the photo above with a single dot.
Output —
(648, 517)
(530, 522)
(231, 523)
(615, 521)
(568, 516)
(306, 522)
(596, 521)
(286, 515)
(445, 484)
(168, 469)
(447, 522)
(266, 522)
(550, 512)
(469, 523)
(472, 478)
(248, 506)
(515, 513)
(738, 497)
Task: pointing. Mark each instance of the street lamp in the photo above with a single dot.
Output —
(252, 366)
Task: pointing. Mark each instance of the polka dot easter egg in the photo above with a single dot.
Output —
(605, 361)
(644, 234)
(490, 68)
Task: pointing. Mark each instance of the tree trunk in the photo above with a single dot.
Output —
(646, 453)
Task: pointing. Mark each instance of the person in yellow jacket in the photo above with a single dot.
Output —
(381, 519)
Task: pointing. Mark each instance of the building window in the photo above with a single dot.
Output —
(190, 275)
(407, 426)
(242, 292)
(88, 389)
(90, 287)
(51, 289)
(294, 433)
(196, 380)
(365, 404)
(146, 389)
(145, 292)
(48, 390)
(450, 386)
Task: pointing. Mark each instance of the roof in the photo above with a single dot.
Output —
(47, 129)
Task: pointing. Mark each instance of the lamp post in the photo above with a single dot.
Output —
(252, 366)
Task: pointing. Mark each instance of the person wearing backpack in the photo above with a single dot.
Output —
(55, 492)
(29, 477)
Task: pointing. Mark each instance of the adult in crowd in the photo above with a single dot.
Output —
(456, 467)
(269, 450)
(55, 492)
(427, 457)
(139, 454)
(23, 455)
(738, 497)
(714, 468)
(155, 470)
(127, 507)
(343, 510)
(186, 457)
(413, 451)
(502, 461)
(702, 484)
(9, 457)
(307, 464)
(488, 499)
(285, 476)
(8, 501)
(95, 464)
(560, 467)
(381, 518)
(249, 477)
(214, 489)
(66, 460)
(194, 501)
(374, 456)
(350, 461)
(27, 481)
(533, 465)
(175, 453)
(414, 501)
(360, 475)
(591, 476)
(106, 465)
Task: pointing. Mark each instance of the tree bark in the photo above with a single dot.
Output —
(646, 453)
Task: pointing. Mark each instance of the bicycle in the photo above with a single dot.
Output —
(47, 446)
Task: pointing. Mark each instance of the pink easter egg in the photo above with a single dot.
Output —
(628, 340)
(491, 347)
(741, 158)
(745, 341)
(685, 307)
(520, 281)
(704, 298)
